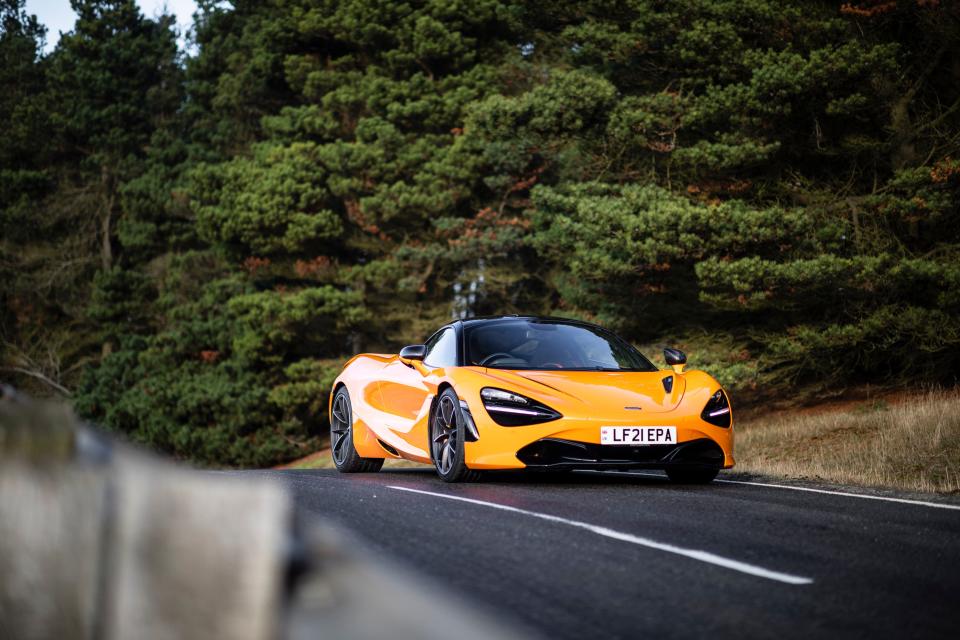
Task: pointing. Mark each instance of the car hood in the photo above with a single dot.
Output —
(611, 391)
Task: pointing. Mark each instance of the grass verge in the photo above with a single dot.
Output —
(912, 444)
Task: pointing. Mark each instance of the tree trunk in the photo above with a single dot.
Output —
(106, 250)
(903, 144)
(106, 219)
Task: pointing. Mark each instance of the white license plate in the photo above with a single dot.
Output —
(634, 436)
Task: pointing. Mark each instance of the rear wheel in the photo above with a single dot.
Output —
(345, 455)
(447, 436)
(692, 476)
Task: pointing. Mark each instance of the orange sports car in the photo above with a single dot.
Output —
(529, 393)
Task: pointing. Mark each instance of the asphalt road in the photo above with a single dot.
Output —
(623, 555)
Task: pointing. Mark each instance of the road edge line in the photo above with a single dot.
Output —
(695, 554)
(844, 494)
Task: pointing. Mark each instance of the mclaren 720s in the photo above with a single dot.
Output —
(529, 393)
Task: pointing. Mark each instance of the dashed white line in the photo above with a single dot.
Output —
(695, 554)
(845, 494)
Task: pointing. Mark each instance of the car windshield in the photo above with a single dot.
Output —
(545, 344)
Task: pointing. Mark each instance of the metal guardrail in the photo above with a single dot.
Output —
(99, 540)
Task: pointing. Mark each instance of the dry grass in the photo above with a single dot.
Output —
(911, 444)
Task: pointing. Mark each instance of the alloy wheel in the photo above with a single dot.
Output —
(339, 429)
(444, 445)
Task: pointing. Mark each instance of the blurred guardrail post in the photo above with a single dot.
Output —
(99, 540)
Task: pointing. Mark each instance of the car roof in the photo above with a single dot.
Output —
(494, 319)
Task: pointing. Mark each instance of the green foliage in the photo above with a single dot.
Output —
(278, 325)
(190, 392)
(192, 244)
(111, 76)
(272, 204)
(733, 361)
(304, 398)
(23, 112)
(167, 396)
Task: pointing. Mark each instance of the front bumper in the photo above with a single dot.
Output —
(551, 454)
(570, 443)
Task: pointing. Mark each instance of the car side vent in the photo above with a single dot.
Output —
(668, 384)
(387, 447)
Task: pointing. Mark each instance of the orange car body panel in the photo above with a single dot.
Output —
(392, 399)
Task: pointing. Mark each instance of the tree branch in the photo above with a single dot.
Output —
(42, 378)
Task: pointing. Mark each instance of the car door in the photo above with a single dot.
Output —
(407, 390)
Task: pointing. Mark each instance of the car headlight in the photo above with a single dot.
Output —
(509, 409)
(717, 411)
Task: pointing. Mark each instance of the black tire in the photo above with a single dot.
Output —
(447, 436)
(686, 475)
(344, 454)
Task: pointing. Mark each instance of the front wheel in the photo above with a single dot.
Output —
(345, 456)
(447, 436)
(691, 476)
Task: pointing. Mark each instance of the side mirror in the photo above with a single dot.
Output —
(675, 358)
(413, 352)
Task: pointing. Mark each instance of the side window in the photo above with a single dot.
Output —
(442, 350)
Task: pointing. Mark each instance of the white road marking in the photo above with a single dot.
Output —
(920, 503)
(702, 556)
